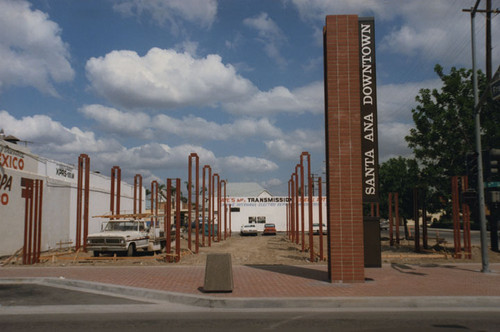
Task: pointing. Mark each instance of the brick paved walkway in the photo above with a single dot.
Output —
(288, 281)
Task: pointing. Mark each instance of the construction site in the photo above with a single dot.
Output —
(52, 212)
(49, 209)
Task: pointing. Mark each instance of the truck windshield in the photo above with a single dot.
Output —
(122, 226)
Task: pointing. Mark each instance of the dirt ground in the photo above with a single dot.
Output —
(267, 250)
(264, 250)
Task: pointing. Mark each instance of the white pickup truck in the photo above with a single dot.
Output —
(126, 236)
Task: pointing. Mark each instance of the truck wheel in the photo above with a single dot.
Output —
(131, 250)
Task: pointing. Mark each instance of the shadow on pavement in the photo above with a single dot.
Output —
(402, 267)
(473, 269)
(295, 271)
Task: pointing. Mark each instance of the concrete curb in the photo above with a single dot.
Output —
(386, 302)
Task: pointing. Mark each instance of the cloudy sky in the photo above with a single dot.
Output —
(142, 84)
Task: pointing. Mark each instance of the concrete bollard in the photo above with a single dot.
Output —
(218, 273)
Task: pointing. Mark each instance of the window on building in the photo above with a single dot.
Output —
(257, 220)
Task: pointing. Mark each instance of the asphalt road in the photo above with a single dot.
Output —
(35, 307)
(428, 321)
(38, 295)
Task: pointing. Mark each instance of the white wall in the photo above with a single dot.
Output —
(11, 213)
(16, 162)
(59, 198)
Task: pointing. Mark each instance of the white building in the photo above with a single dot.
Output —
(59, 198)
(251, 203)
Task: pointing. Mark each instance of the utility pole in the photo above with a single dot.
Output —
(488, 40)
(477, 132)
(488, 11)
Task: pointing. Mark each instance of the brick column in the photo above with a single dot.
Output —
(343, 149)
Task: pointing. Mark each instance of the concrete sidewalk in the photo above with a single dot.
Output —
(276, 286)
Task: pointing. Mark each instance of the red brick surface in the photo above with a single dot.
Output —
(288, 281)
(343, 135)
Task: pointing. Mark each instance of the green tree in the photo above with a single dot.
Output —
(399, 175)
(444, 128)
(161, 192)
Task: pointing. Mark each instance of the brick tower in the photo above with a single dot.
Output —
(343, 149)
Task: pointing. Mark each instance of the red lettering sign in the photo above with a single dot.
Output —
(4, 199)
(11, 162)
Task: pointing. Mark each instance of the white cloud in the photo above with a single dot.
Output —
(200, 12)
(271, 183)
(313, 64)
(37, 128)
(31, 49)
(189, 47)
(428, 31)
(395, 101)
(235, 43)
(165, 79)
(309, 98)
(310, 139)
(142, 125)
(407, 40)
(250, 127)
(291, 146)
(82, 142)
(269, 34)
(440, 34)
(315, 10)
(158, 157)
(198, 128)
(243, 165)
(391, 140)
(283, 149)
(51, 139)
(189, 127)
(113, 120)
(155, 156)
(266, 27)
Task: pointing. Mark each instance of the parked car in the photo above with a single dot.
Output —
(316, 228)
(215, 227)
(269, 229)
(384, 224)
(248, 229)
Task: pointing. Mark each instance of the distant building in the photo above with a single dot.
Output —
(251, 203)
